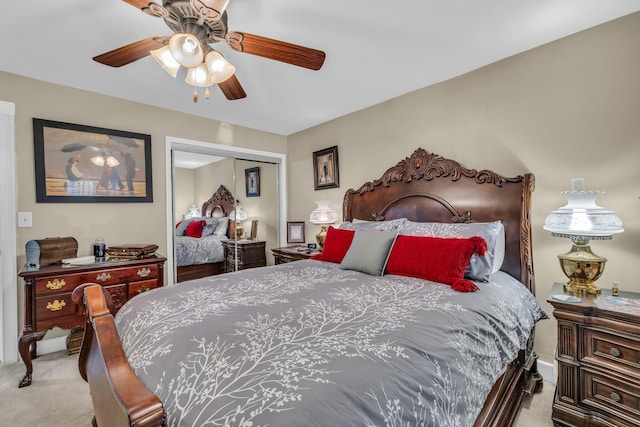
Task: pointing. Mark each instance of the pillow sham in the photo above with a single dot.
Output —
(210, 226)
(336, 245)
(480, 266)
(181, 228)
(194, 229)
(221, 226)
(369, 251)
(391, 225)
(438, 259)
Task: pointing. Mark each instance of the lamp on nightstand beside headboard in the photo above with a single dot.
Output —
(237, 216)
(582, 220)
(324, 216)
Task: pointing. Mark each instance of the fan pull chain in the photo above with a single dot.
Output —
(195, 94)
(207, 94)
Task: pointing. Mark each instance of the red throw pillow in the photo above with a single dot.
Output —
(336, 245)
(437, 259)
(194, 229)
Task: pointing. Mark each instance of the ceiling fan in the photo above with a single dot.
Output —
(196, 25)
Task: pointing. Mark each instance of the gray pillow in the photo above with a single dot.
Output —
(210, 226)
(391, 225)
(369, 251)
(480, 267)
(182, 227)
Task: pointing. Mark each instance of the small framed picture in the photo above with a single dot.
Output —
(325, 168)
(252, 179)
(295, 231)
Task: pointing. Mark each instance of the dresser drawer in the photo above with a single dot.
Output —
(52, 306)
(611, 395)
(607, 349)
(68, 282)
(142, 286)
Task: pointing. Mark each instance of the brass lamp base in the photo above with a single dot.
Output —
(321, 236)
(583, 268)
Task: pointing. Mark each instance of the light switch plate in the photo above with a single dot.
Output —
(25, 219)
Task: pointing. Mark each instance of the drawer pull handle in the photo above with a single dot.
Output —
(614, 352)
(56, 284)
(615, 396)
(103, 277)
(142, 289)
(56, 305)
(144, 272)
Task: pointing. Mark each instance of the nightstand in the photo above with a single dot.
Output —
(290, 253)
(243, 254)
(598, 357)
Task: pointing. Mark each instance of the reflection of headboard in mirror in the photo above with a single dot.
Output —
(220, 204)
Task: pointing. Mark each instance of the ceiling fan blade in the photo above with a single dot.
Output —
(276, 50)
(132, 52)
(232, 88)
(148, 7)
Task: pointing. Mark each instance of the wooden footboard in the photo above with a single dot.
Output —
(119, 398)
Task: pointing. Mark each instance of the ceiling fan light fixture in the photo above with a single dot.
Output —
(219, 68)
(186, 49)
(210, 9)
(199, 76)
(166, 60)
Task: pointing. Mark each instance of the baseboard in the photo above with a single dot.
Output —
(51, 345)
(547, 370)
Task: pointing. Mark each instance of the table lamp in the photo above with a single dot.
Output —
(237, 216)
(323, 215)
(582, 220)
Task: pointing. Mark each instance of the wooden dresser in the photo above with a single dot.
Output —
(290, 253)
(47, 295)
(598, 358)
(243, 254)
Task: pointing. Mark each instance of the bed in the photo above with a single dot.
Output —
(198, 257)
(315, 343)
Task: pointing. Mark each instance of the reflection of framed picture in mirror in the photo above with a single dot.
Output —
(295, 231)
(252, 179)
(325, 168)
(254, 229)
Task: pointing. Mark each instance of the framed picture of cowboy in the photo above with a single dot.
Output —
(85, 164)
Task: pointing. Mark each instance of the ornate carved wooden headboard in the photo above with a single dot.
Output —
(427, 187)
(220, 204)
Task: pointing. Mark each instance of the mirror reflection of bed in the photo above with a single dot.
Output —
(213, 184)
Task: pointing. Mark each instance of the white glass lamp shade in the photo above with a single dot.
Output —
(238, 214)
(581, 217)
(219, 69)
(186, 49)
(199, 76)
(166, 60)
(323, 214)
(193, 212)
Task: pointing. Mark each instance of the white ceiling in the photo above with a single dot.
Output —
(376, 50)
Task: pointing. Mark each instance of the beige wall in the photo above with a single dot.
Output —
(567, 109)
(184, 193)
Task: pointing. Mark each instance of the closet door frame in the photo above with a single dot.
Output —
(191, 146)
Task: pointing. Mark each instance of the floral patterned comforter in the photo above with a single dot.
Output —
(202, 250)
(308, 344)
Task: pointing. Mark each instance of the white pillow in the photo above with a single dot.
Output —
(391, 225)
(480, 267)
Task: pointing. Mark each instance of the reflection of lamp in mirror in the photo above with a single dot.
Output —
(193, 212)
(582, 220)
(237, 216)
(323, 215)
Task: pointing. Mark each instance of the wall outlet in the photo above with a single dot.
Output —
(25, 219)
